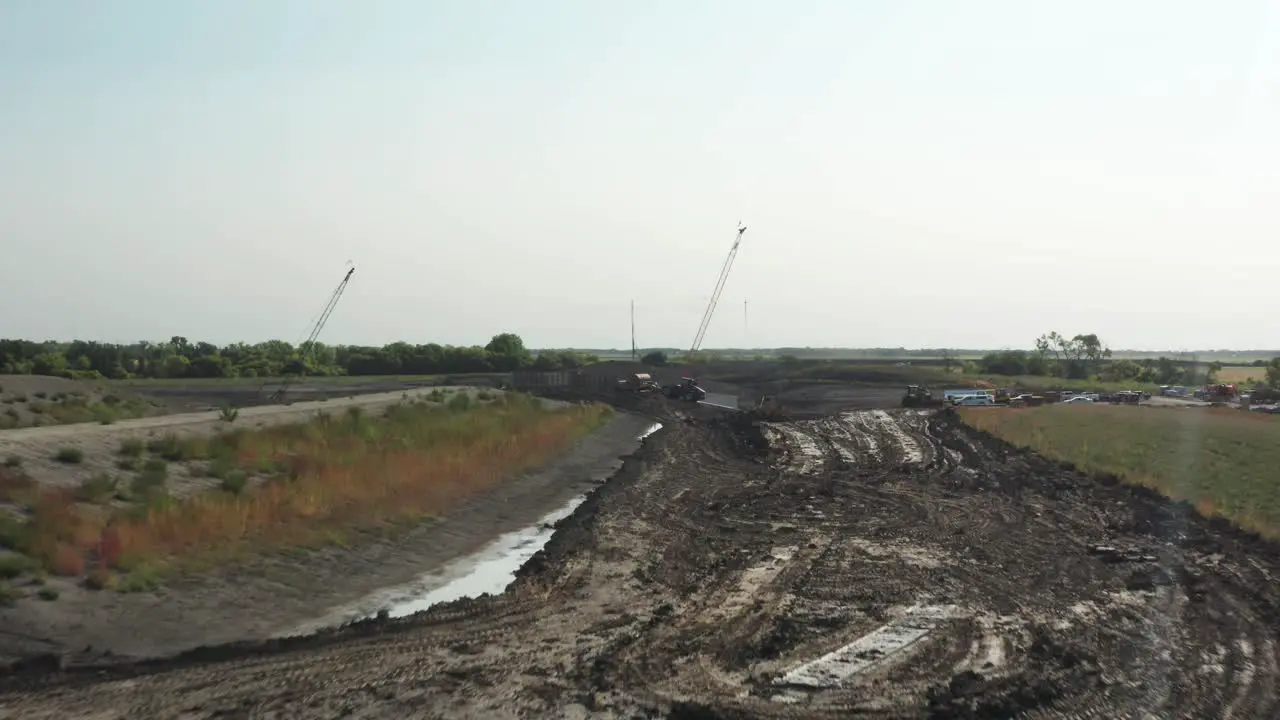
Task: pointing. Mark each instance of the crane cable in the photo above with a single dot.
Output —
(715, 295)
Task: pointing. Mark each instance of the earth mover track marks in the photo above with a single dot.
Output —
(933, 571)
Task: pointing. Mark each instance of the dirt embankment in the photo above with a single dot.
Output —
(38, 446)
(275, 592)
(882, 563)
(248, 392)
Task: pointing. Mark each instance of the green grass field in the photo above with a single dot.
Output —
(1224, 461)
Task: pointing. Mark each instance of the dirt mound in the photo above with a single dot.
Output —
(888, 563)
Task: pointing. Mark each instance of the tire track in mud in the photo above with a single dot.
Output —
(709, 576)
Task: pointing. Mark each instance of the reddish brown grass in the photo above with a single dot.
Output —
(418, 461)
(66, 561)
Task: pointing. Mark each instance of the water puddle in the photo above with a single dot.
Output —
(488, 570)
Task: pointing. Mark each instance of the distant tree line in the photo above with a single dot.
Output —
(181, 358)
(1086, 357)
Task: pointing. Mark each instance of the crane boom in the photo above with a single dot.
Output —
(304, 350)
(715, 294)
(324, 314)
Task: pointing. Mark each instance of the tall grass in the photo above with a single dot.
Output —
(417, 460)
(1224, 461)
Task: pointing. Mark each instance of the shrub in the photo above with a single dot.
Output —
(13, 461)
(156, 465)
(104, 415)
(8, 596)
(219, 467)
(228, 414)
(166, 446)
(69, 455)
(149, 482)
(12, 531)
(176, 449)
(42, 395)
(11, 566)
(20, 398)
(99, 488)
(129, 463)
(234, 482)
(99, 578)
(132, 447)
(460, 402)
(142, 578)
(47, 594)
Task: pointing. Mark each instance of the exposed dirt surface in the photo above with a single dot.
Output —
(37, 446)
(199, 396)
(278, 593)
(885, 564)
(38, 400)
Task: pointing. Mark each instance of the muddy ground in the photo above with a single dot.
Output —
(886, 564)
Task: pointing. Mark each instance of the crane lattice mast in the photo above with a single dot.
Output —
(305, 349)
(715, 295)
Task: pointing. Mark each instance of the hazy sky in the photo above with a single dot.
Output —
(912, 173)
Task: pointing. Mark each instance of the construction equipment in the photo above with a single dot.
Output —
(638, 384)
(686, 389)
(305, 349)
(1219, 392)
(767, 408)
(919, 396)
(715, 294)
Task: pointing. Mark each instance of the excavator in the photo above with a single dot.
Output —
(686, 389)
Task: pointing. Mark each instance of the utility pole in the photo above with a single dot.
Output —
(634, 351)
(746, 337)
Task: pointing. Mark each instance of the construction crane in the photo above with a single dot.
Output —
(305, 349)
(715, 295)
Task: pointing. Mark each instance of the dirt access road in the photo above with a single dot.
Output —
(890, 564)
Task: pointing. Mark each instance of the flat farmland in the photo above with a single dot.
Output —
(1221, 460)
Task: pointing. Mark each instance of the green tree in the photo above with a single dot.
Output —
(508, 352)
(50, 363)
(1273, 373)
